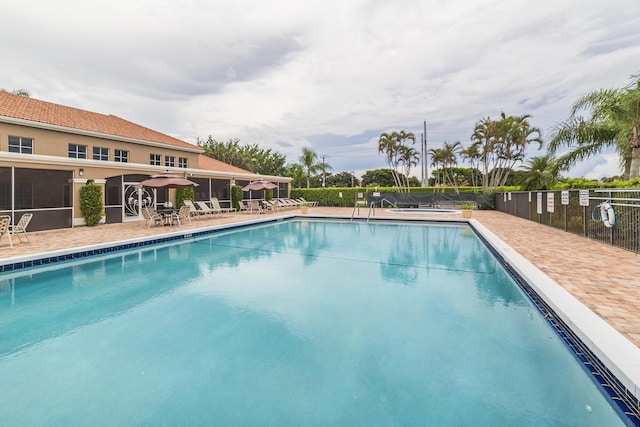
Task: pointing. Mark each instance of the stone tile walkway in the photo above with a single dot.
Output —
(604, 278)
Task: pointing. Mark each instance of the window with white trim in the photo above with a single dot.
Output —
(183, 162)
(155, 159)
(169, 161)
(121, 156)
(77, 151)
(18, 144)
(100, 153)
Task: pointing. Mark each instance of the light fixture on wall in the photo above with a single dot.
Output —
(81, 171)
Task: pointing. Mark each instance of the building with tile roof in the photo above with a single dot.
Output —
(49, 151)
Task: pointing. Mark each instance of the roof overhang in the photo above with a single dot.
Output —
(65, 129)
(18, 158)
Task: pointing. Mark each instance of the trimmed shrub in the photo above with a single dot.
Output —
(236, 196)
(182, 194)
(91, 203)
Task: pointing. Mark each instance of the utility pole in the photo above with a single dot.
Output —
(323, 171)
(425, 163)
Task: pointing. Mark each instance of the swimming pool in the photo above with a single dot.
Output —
(288, 323)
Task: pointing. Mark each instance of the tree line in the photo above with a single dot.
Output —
(607, 118)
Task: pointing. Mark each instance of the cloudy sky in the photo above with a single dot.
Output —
(331, 74)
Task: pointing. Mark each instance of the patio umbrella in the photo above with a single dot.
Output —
(166, 180)
(259, 184)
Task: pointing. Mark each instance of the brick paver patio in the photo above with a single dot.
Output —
(604, 278)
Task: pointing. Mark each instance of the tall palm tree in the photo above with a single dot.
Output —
(436, 155)
(449, 156)
(388, 144)
(483, 137)
(515, 133)
(614, 121)
(394, 145)
(409, 158)
(501, 144)
(309, 161)
(472, 154)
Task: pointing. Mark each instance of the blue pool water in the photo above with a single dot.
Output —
(287, 324)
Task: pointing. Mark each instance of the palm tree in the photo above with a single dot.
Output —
(501, 144)
(540, 173)
(409, 158)
(614, 121)
(449, 158)
(472, 154)
(483, 137)
(394, 146)
(437, 159)
(515, 133)
(309, 161)
(297, 173)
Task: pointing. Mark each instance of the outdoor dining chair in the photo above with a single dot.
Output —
(21, 227)
(151, 217)
(181, 215)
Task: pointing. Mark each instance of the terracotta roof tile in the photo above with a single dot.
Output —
(209, 163)
(30, 109)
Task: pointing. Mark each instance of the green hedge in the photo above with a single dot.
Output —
(331, 196)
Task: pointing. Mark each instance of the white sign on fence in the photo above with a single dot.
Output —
(584, 197)
(509, 196)
(539, 204)
(564, 197)
(550, 202)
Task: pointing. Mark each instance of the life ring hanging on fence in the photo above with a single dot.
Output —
(607, 215)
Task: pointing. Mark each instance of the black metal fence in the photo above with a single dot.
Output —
(578, 212)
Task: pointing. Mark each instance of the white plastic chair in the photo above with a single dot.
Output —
(5, 220)
(21, 227)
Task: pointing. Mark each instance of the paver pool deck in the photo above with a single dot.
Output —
(604, 278)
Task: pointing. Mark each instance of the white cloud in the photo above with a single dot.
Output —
(597, 167)
(287, 74)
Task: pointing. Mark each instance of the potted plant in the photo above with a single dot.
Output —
(467, 209)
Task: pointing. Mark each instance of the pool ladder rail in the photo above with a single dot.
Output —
(356, 208)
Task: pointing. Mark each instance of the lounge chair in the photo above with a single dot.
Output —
(288, 203)
(151, 217)
(5, 220)
(215, 206)
(310, 204)
(193, 211)
(21, 227)
(181, 215)
(204, 209)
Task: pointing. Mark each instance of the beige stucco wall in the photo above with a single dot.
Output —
(54, 143)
